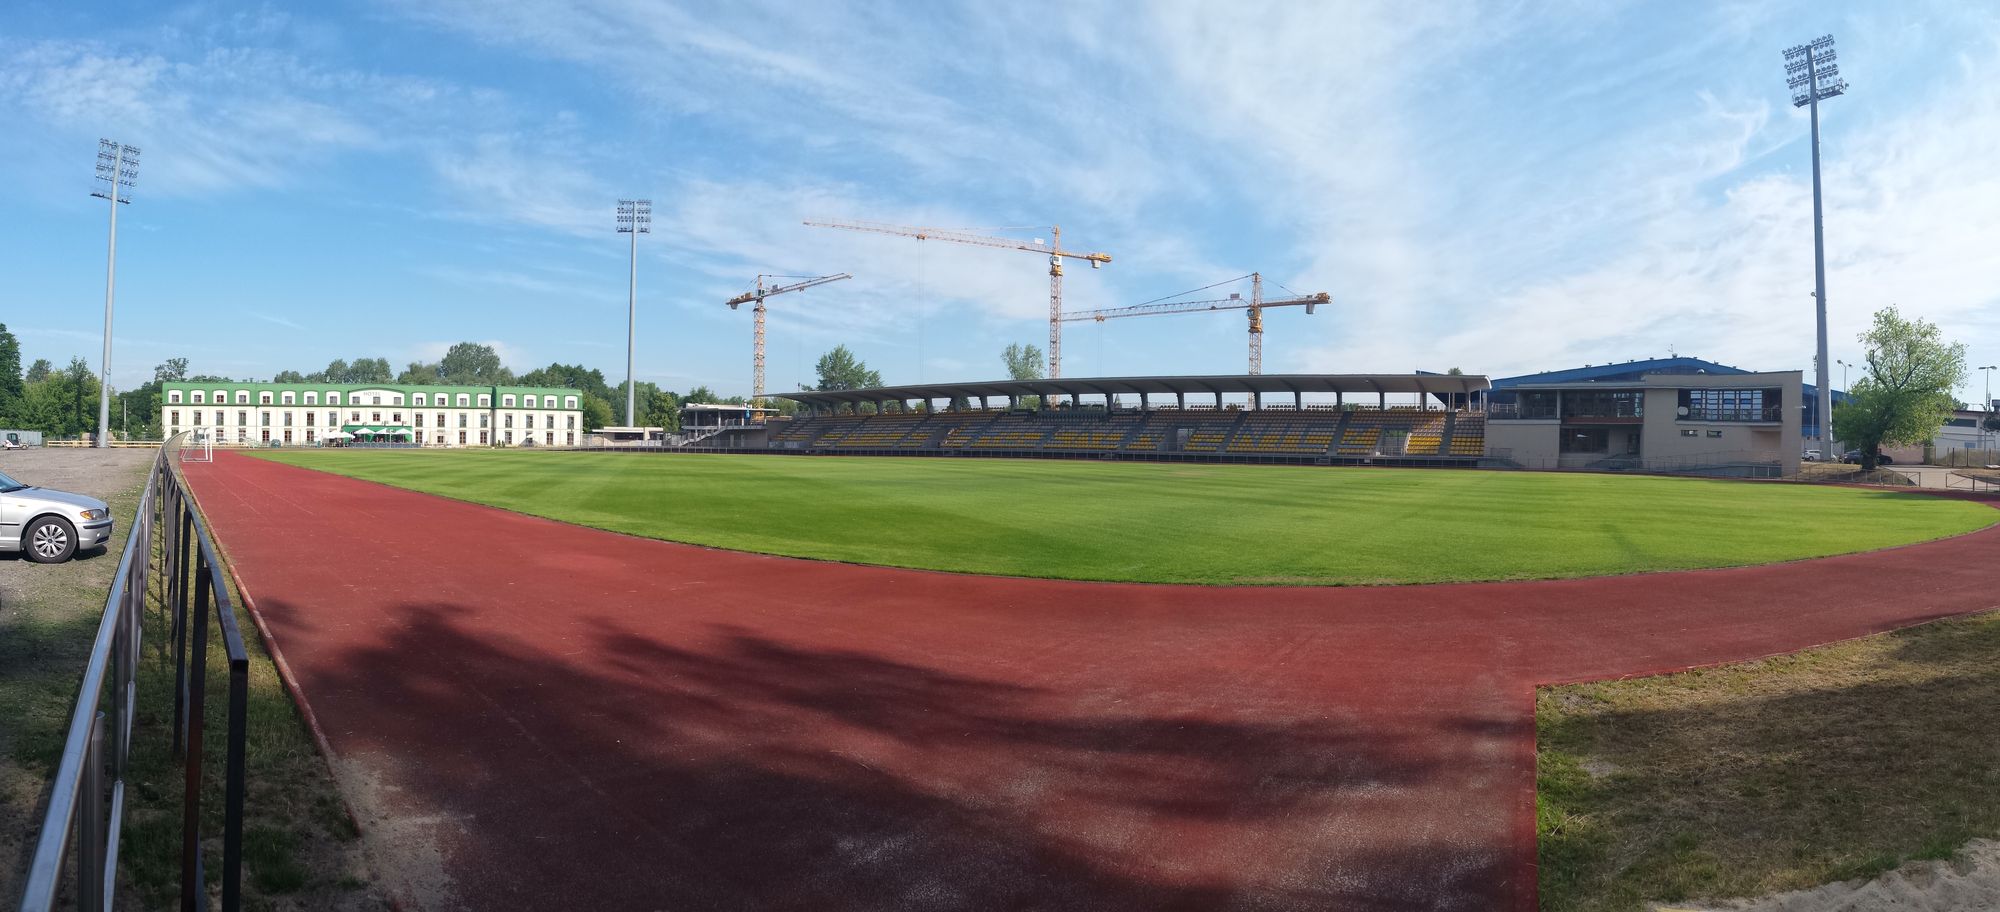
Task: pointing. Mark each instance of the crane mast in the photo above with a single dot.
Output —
(1053, 250)
(758, 295)
(1254, 307)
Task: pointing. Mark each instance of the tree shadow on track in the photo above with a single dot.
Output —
(732, 770)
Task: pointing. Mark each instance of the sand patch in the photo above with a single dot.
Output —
(1969, 881)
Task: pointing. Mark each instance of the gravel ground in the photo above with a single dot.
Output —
(47, 616)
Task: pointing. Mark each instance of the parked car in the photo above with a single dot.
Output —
(50, 526)
(1853, 457)
(1810, 455)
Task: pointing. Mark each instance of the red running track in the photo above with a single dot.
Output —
(539, 715)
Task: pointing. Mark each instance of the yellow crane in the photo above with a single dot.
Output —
(1053, 250)
(1235, 301)
(758, 295)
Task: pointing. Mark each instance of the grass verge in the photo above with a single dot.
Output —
(1179, 523)
(300, 849)
(1835, 763)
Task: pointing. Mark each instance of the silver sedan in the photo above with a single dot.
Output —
(51, 526)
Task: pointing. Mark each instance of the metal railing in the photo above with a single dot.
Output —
(1701, 413)
(86, 807)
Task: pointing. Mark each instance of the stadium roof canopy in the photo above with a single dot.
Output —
(1265, 384)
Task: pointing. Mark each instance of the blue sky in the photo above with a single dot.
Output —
(1499, 187)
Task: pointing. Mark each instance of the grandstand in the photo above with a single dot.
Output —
(1235, 418)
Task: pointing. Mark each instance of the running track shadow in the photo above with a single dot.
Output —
(748, 773)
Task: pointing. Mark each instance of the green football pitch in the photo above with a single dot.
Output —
(1183, 523)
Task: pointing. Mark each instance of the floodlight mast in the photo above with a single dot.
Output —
(635, 217)
(1813, 75)
(118, 168)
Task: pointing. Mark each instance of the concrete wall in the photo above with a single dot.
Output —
(1530, 442)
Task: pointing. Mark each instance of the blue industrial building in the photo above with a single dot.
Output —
(1629, 371)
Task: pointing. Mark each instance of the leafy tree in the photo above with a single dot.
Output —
(40, 370)
(1905, 395)
(574, 376)
(473, 364)
(596, 412)
(1454, 372)
(1024, 362)
(11, 385)
(420, 373)
(840, 370)
(171, 369)
(703, 394)
(661, 409)
(369, 370)
(288, 376)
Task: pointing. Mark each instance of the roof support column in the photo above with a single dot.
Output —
(1143, 403)
(1382, 400)
(1256, 400)
(1180, 400)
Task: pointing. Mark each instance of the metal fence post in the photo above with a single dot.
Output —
(90, 824)
(192, 892)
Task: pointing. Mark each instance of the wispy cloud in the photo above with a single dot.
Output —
(272, 319)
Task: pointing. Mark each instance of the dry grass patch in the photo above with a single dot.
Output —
(1834, 763)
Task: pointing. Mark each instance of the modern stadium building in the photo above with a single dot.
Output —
(310, 414)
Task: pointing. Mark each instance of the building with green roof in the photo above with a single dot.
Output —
(320, 414)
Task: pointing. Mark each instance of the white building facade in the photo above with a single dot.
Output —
(313, 414)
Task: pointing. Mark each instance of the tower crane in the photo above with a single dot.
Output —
(758, 295)
(1255, 306)
(1053, 250)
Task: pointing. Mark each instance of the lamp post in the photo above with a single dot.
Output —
(635, 217)
(118, 168)
(1844, 366)
(1989, 369)
(1812, 75)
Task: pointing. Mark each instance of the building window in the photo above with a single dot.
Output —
(569, 402)
(332, 398)
(420, 419)
(569, 421)
(461, 423)
(1715, 433)
(1690, 432)
(549, 437)
(288, 419)
(263, 398)
(440, 419)
(482, 438)
(509, 439)
(354, 417)
(485, 400)
(462, 401)
(287, 398)
(1586, 440)
(397, 399)
(483, 416)
(242, 397)
(266, 435)
(509, 422)
(312, 398)
(461, 438)
(197, 397)
(288, 435)
(395, 417)
(309, 433)
(176, 419)
(309, 421)
(569, 439)
(374, 400)
(264, 420)
(1732, 404)
(332, 418)
(174, 397)
(242, 418)
(548, 423)
(507, 401)
(374, 417)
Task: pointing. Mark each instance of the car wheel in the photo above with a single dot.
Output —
(49, 540)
